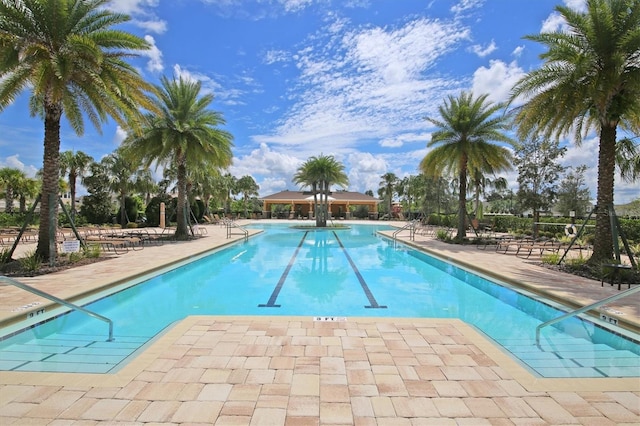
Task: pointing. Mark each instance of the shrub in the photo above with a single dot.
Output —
(92, 251)
(30, 262)
(551, 258)
(442, 235)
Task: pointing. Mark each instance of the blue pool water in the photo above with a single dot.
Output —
(346, 273)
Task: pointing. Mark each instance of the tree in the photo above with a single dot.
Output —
(248, 187)
(121, 172)
(538, 174)
(9, 181)
(96, 207)
(184, 134)
(320, 173)
(590, 79)
(388, 189)
(628, 160)
(75, 164)
(463, 145)
(67, 54)
(573, 195)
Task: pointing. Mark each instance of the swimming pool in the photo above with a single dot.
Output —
(344, 273)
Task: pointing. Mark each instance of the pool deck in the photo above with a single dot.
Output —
(209, 370)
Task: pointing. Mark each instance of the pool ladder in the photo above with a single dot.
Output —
(59, 301)
(231, 224)
(625, 293)
(411, 226)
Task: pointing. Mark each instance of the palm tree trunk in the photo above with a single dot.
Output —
(603, 243)
(72, 190)
(462, 200)
(50, 174)
(123, 210)
(181, 228)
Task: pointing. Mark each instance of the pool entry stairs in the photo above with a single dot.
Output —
(69, 353)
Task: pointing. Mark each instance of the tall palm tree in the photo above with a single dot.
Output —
(590, 79)
(26, 188)
(184, 134)
(463, 145)
(320, 173)
(75, 164)
(67, 54)
(388, 188)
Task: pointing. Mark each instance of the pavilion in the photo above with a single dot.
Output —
(301, 203)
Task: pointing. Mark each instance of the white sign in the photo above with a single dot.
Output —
(71, 246)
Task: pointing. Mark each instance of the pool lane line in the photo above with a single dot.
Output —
(276, 291)
(373, 304)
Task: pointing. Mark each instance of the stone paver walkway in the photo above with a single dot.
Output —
(211, 370)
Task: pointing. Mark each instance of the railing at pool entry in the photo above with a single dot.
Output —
(59, 301)
(230, 224)
(411, 226)
(584, 309)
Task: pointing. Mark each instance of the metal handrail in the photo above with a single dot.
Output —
(411, 226)
(231, 224)
(53, 298)
(584, 309)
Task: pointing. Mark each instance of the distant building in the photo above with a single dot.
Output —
(301, 203)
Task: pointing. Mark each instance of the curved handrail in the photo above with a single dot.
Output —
(231, 224)
(53, 298)
(411, 226)
(584, 309)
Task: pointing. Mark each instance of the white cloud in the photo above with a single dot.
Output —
(13, 161)
(483, 51)
(365, 171)
(141, 12)
(277, 167)
(399, 140)
(555, 22)
(294, 5)
(465, 5)
(119, 136)
(273, 56)
(154, 54)
(154, 26)
(497, 80)
(517, 52)
(366, 84)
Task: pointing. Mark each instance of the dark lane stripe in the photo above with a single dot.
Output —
(363, 283)
(276, 291)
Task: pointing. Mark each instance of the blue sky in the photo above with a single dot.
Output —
(348, 78)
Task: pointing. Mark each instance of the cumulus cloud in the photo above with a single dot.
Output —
(278, 166)
(365, 171)
(154, 54)
(497, 80)
(483, 51)
(555, 22)
(13, 161)
(142, 13)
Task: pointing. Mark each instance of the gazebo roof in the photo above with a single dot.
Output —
(334, 196)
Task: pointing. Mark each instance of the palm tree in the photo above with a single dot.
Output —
(122, 172)
(388, 188)
(628, 160)
(9, 181)
(75, 164)
(463, 144)
(248, 187)
(590, 79)
(320, 173)
(67, 54)
(26, 188)
(184, 134)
